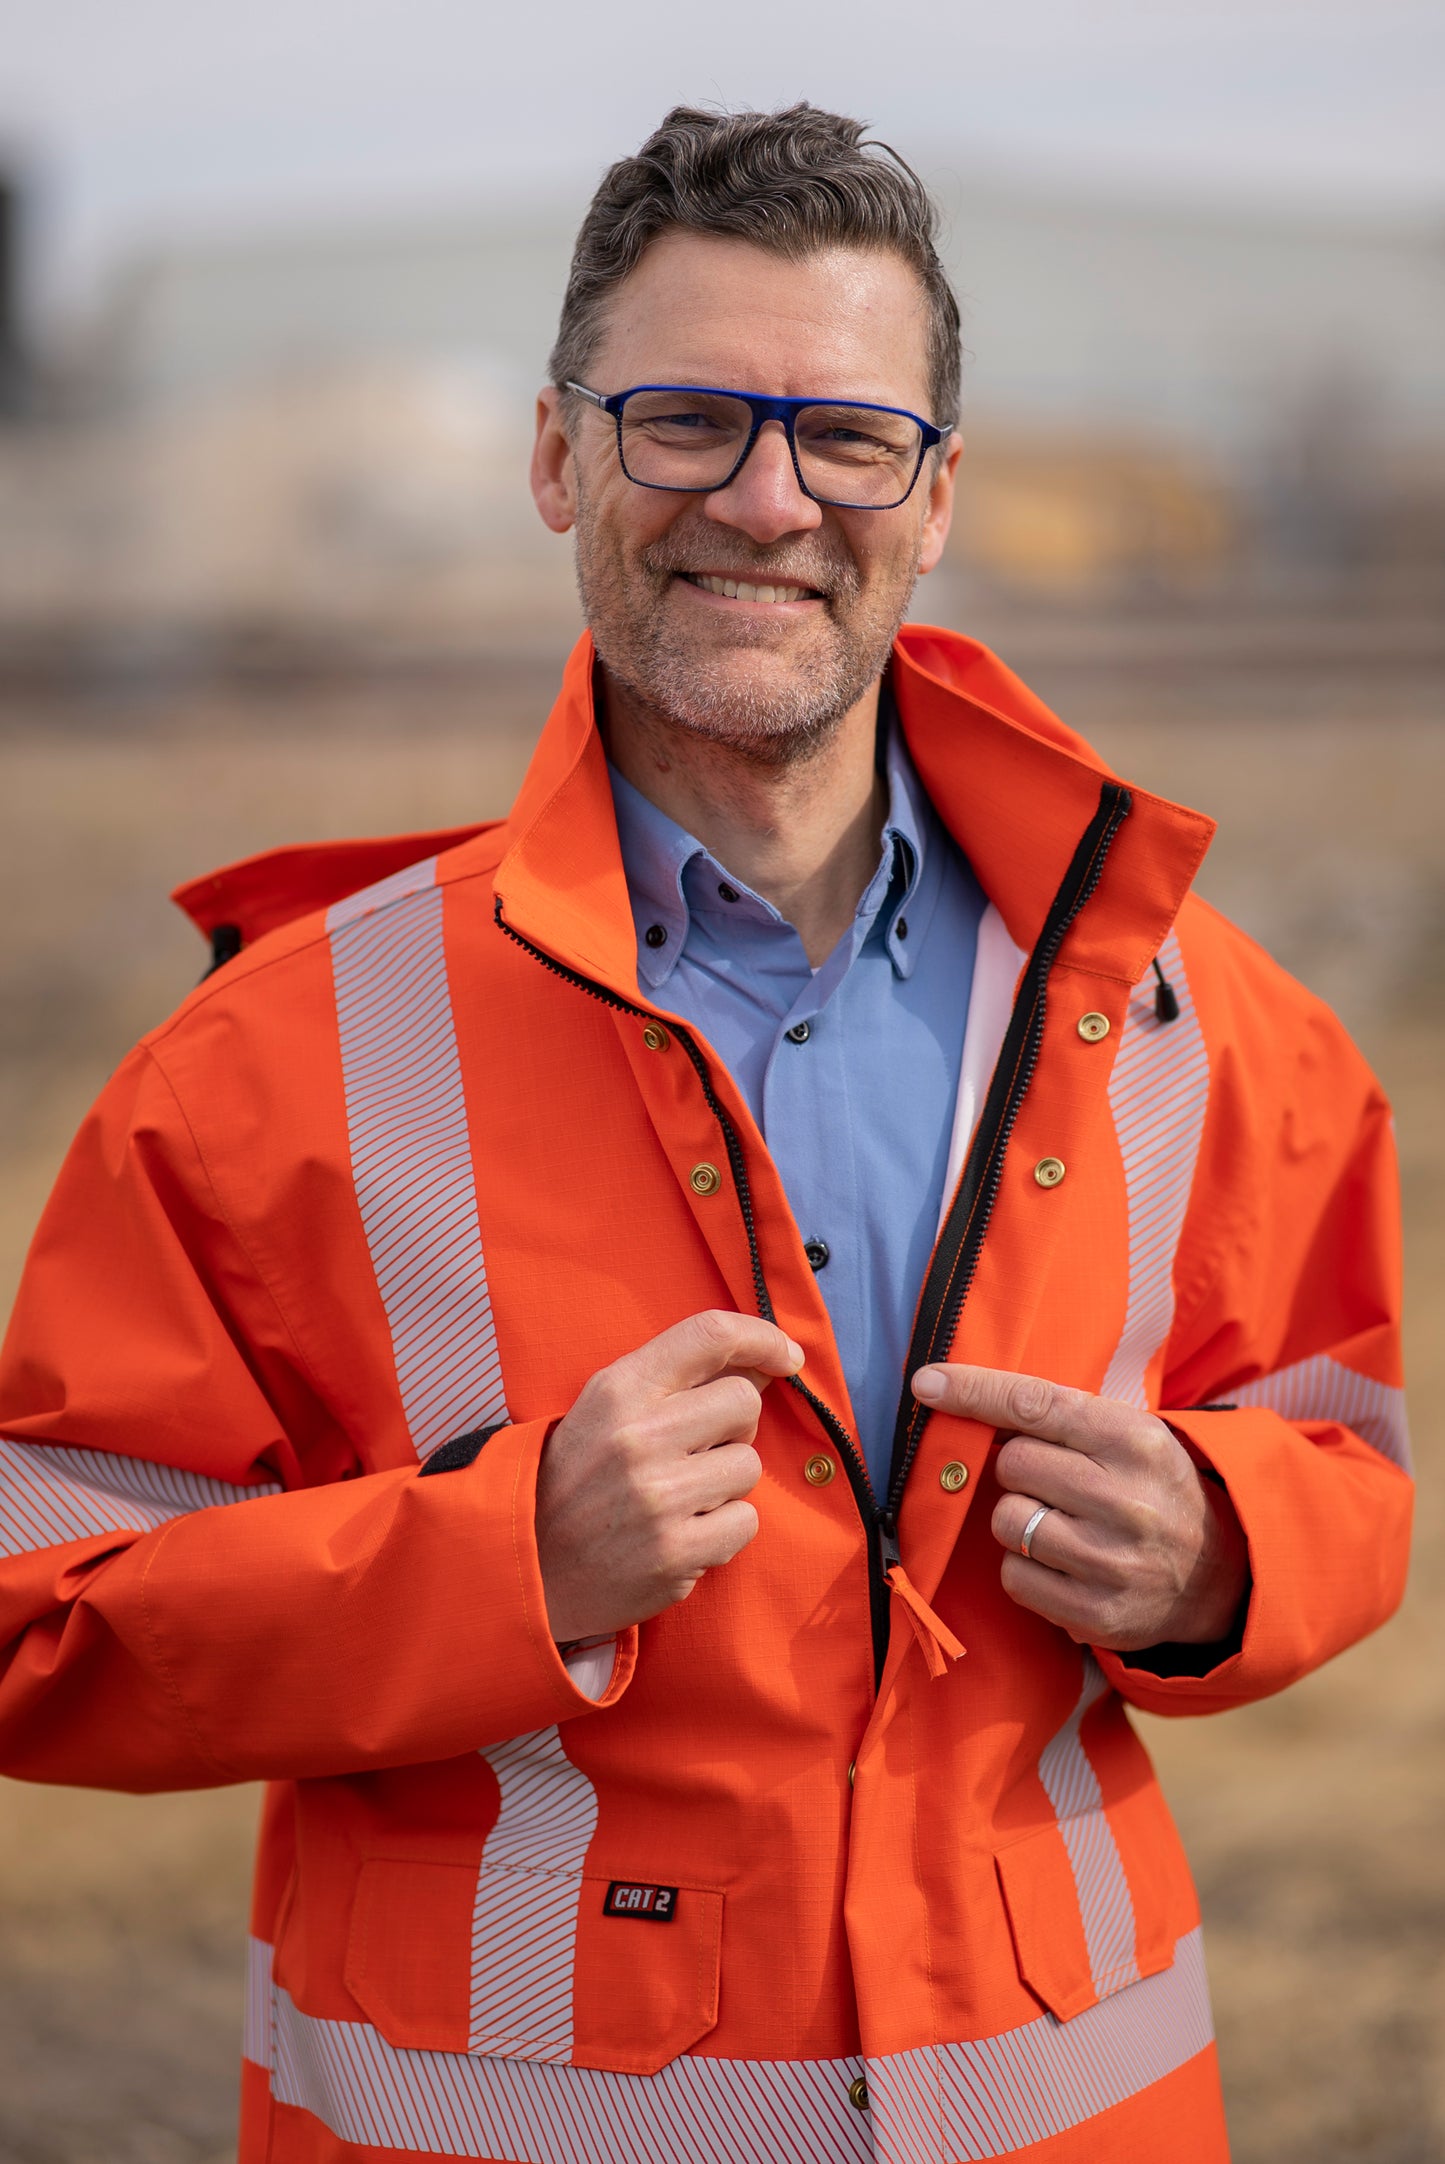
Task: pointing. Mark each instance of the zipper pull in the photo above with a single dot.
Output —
(937, 1642)
(885, 1526)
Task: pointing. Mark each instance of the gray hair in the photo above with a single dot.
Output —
(794, 182)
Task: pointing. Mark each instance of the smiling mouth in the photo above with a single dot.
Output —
(745, 590)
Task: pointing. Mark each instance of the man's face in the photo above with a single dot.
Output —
(769, 676)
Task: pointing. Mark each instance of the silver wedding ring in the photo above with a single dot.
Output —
(1032, 1527)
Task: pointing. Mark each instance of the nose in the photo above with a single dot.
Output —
(763, 499)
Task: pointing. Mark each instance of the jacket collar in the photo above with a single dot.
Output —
(1014, 786)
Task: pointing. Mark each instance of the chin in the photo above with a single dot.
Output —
(751, 703)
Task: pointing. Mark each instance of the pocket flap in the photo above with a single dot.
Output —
(409, 1955)
(642, 1984)
(646, 1989)
(1049, 1879)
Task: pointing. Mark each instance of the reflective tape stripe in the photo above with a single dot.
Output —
(963, 2101)
(1158, 1092)
(524, 1924)
(50, 1494)
(1105, 1902)
(256, 2032)
(1324, 1389)
(1002, 2094)
(411, 1153)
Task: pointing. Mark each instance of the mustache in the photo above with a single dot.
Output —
(723, 556)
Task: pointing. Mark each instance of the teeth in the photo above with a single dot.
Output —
(740, 590)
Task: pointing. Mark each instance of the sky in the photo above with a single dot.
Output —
(147, 119)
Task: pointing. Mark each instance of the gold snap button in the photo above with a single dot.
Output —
(656, 1039)
(953, 1477)
(858, 2094)
(819, 1469)
(706, 1179)
(1048, 1171)
(852, 1771)
(1093, 1027)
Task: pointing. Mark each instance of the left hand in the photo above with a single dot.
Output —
(1137, 1550)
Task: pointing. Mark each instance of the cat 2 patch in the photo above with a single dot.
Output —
(648, 1904)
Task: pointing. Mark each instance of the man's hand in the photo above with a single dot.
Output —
(641, 1487)
(1137, 1550)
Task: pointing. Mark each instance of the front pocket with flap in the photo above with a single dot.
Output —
(523, 1964)
(1083, 1925)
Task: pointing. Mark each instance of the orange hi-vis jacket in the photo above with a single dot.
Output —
(794, 1876)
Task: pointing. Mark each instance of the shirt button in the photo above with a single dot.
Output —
(655, 1037)
(706, 1179)
(799, 1033)
(901, 927)
(819, 1469)
(656, 935)
(858, 2094)
(817, 1252)
(1093, 1027)
(1049, 1171)
(953, 1477)
(729, 894)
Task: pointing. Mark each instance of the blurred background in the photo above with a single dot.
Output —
(276, 291)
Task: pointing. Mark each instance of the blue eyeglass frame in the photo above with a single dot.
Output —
(763, 408)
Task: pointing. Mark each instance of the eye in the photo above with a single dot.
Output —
(684, 421)
(852, 436)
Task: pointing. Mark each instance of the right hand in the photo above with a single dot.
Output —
(641, 1487)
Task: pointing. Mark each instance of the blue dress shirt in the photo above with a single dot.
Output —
(850, 1070)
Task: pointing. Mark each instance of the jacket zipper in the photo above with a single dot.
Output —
(955, 1257)
(956, 1254)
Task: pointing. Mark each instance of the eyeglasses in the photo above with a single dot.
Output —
(685, 437)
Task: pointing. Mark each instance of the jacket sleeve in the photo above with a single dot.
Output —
(1282, 1371)
(199, 1580)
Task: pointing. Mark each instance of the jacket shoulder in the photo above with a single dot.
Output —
(1285, 1073)
(282, 906)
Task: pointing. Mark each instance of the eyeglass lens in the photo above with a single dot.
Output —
(848, 455)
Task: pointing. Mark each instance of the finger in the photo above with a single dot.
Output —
(1058, 1542)
(715, 1538)
(725, 1411)
(708, 1482)
(1092, 1615)
(1067, 1479)
(713, 1343)
(1027, 1404)
(1053, 1594)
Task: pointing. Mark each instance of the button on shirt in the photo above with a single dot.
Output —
(850, 1070)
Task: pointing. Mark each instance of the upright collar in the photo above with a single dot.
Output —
(1013, 785)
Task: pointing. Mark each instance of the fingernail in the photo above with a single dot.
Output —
(797, 1353)
(928, 1385)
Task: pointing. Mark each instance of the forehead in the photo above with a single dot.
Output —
(703, 308)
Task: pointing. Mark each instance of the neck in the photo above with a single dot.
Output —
(803, 833)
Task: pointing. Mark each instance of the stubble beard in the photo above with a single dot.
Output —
(765, 693)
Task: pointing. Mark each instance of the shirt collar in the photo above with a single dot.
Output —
(670, 875)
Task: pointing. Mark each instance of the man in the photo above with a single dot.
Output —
(876, 1277)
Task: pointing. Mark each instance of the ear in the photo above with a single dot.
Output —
(938, 512)
(554, 474)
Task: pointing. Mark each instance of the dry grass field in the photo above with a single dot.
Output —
(1315, 1821)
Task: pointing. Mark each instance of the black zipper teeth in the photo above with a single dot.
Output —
(853, 1458)
(955, 1258)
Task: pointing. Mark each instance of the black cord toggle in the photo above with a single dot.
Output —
(1166, 999)
(225, 946)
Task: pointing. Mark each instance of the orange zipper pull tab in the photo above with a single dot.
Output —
(933, 1634)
